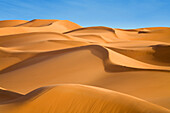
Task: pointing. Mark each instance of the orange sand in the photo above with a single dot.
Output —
(99, 69)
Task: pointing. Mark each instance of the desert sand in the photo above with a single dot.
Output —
(57, 66)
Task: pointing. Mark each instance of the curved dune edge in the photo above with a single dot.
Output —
(106, 55)
(6, 95)
(79, 98)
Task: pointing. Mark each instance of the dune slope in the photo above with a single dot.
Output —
(81, 99)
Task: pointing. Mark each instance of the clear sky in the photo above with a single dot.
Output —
(111, 13)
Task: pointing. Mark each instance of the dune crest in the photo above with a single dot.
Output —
(133, 64)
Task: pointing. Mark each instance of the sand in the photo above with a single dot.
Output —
(57, 66)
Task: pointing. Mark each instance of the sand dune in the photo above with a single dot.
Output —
(37, 23)
(134, 64)
(11, 23)
(79, 98)
(42, 26)
(157, 34)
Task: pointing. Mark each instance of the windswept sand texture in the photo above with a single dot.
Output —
(57, 66)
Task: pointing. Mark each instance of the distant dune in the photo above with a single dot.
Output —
(57, 66)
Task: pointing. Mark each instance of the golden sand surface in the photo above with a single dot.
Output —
(57, 66)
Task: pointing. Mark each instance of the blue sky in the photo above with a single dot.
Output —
(111, 13)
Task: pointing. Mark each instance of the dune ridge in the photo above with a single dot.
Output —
(131, 65)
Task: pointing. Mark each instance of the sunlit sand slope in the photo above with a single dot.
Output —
(79, 98)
